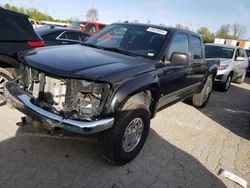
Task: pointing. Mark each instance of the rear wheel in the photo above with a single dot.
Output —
(5, 76)
(225, 86)
(241, 79)
(125, 139)
(200, 99)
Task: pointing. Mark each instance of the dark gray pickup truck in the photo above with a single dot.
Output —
(113, 84)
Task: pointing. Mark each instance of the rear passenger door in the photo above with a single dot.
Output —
(197, 67)
(173, 78)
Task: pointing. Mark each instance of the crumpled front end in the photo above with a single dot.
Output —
(75, 105)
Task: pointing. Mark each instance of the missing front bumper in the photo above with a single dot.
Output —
(21, 101)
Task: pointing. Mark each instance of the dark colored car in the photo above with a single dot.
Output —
(248, 67)
(113, 84)
(89, 28)
(60, 35)
(16, 34)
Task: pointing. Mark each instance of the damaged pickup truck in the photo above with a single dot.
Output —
(113, 84)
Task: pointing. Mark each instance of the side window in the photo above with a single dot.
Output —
(241, 53)
(179, 44)
(73, 36)
(196, 47)
(90, 28)
(248, 53)
(101, 27)
(52, 36)
(63, 36)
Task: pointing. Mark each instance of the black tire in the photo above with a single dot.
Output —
(200, 99)
(110, 141)
(225, 86)
(4, 76)
(241, 79)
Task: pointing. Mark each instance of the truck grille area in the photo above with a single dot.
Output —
(71, 98)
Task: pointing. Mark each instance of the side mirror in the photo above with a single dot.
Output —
(240, 59)
(179, 59)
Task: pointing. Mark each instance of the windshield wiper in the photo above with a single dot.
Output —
(119, 50)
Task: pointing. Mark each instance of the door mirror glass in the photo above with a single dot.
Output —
(179, 59)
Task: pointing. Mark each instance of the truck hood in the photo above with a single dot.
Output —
(225, 61)
(82, 62)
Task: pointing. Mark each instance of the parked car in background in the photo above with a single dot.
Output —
(232, 64)
(248, 67)
(16, 34)
(113, 88)
(60, 35)
(90, 28)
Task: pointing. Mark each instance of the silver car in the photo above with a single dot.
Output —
(232, 64)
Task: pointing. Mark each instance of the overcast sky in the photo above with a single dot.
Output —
(193, 13)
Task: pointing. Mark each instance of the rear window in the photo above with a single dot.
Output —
(101, 27)
(73, 36)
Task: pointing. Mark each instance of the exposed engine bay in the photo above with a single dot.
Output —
(72, 98)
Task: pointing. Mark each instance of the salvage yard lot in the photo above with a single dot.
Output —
(186, 148)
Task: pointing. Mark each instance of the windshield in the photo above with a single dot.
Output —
(135, 40)
(218, 52)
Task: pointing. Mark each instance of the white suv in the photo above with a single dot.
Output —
(232, 64)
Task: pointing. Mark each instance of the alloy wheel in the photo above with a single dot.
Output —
(132, 134)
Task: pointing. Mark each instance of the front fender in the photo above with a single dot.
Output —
(130, 87)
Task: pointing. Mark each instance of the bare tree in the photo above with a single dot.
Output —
(238, 30)
(92, 15)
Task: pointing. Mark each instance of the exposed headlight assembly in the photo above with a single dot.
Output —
(85, 99)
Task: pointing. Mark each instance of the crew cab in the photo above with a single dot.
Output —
(113, 84)
(16, 34)
(89, 28)
(232, 64)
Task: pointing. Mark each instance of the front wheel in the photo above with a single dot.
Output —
(5, 76)
(200, 99)
(125, 139)
(225, 86)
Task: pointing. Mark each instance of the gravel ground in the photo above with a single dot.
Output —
(186, 147)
